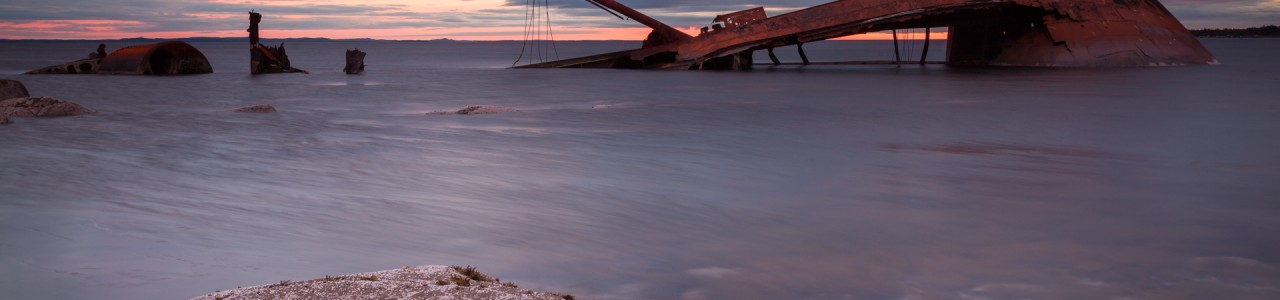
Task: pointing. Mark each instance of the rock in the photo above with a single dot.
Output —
(12, 89)
(260, 108)
(476, 110)
(422, 282)
(4, 120)
(43, 107)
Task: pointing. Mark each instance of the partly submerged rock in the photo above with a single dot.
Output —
(476, 110)
(422, 282)
(43, 107)
(260, 108)
(12, 89)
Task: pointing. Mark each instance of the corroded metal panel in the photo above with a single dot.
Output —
(1079, 33)
(165, 58)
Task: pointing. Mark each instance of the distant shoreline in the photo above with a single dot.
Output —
(1269, 31)
(246, 40)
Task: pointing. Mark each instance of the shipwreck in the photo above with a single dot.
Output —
(1019, 33)
(164, 58)
(265, 59)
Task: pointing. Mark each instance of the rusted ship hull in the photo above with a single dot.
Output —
(164, 58)
(1025, 33)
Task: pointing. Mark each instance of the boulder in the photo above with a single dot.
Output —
(12, 89)
(421, 282)
(42, 107)
(260, 108)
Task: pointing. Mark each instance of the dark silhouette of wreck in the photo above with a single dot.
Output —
(266, 59)
(1025, 33)
(164, 58)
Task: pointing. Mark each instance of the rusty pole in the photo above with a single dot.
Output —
(642, 18)
(924, 54)
(773, 58)
(803, 58)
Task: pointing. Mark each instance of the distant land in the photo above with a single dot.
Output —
(1264, 31)
(141, 40)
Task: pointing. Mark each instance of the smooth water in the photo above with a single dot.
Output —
(820, 182)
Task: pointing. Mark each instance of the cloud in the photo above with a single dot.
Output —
(27, 18)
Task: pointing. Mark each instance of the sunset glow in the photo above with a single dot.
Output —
(425, 20)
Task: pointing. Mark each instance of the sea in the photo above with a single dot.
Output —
(783, 182)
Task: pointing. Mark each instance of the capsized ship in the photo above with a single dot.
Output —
(1020, 33)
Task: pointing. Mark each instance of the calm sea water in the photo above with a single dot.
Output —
(820, 182)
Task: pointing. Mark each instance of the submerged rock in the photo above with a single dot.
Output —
(260, 108)
(12, 89)
(476, 110)
(43, 107)
(422, 282)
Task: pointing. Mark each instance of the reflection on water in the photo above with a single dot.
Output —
(784, 183)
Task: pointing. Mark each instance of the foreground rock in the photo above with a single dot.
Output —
(12, 89)
(422, 282)
(476, 110)
(43, 107)
(260, 108)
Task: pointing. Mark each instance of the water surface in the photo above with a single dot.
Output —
(820, 182)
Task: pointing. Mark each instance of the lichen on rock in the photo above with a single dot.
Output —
(421, 282)
(42, 107)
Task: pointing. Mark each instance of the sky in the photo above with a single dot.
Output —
(435, 19)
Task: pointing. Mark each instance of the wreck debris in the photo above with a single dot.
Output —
(164, 58)
(81, 66)
(1033, 33)
(266, 59)
(12, 89)
(41, 107)
(355, 62)
(260, 108)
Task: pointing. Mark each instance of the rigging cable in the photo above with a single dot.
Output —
(525, 44)
(551, 34)
(539, 43)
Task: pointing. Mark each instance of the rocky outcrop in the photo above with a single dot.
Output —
(422, 282)
(12, 89)
(476, 110)
(42, 107)
(260, 108)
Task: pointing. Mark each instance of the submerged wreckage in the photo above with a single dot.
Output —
(263, 58)
(1031, 33)
(164, 58)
